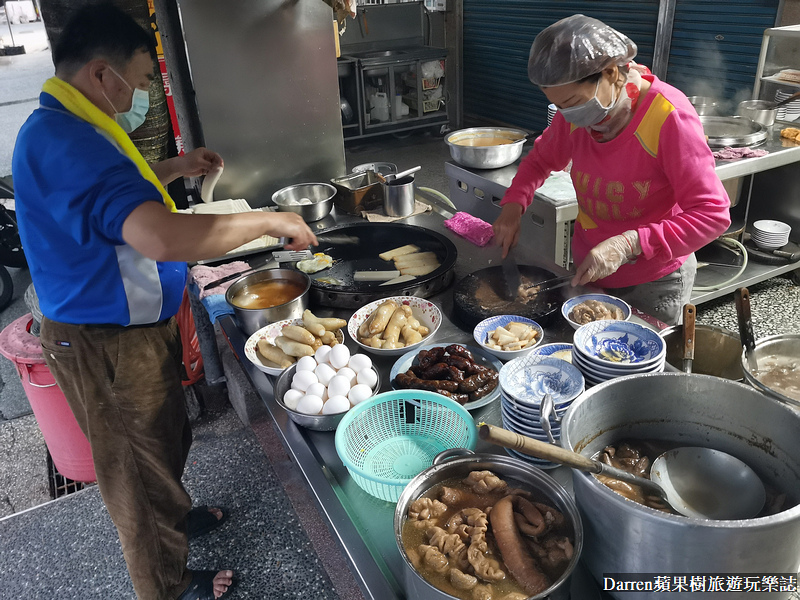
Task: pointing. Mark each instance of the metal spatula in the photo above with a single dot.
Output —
(689, 314)
(284, 256)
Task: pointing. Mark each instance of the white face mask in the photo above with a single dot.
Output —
(140, 104)
(590, 112)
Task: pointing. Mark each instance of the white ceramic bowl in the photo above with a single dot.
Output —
(269, 333)
(487, 326)
(567, 307)
(425, 311)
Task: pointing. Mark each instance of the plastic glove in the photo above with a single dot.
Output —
(506, 227)
(608, 256)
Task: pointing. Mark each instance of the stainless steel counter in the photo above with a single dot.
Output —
(362, 524)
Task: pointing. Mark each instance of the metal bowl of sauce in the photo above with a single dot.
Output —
(266, 296)
(486, 147)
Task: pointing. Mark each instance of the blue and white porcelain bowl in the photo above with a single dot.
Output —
(557, 350)
(487, 326)
(567, 307)
(527, 422)
(529, 378)
(619, 344)
(530, 411)
(608, 372)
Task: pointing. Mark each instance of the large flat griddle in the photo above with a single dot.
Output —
(478, 296)
(373, 239)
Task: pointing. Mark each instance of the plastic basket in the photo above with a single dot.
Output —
(427, 105)
(388, 440)
(430, 83)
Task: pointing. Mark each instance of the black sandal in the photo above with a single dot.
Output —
(200, 521)
(201, 587)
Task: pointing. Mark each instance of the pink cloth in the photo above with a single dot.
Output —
(674, 199)
(476, 230)
(728, 153)
(203, 275)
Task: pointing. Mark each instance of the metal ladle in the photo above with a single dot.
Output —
(696, 482)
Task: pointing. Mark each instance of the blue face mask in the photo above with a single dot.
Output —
(589, 113)
(140, 104)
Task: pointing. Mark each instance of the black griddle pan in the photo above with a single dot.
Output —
(479, 296)
(335, 287)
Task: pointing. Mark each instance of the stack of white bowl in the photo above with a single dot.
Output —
(524, 382)
(787, 112)
(770, 235)
(605, 350)
(551, 112)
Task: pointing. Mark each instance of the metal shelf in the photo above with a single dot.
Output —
(754, 273)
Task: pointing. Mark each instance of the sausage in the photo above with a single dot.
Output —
(293, 348)
(459, 350)
(459, 362)
(298, 334)
(410, 381)
(483, 390)
(460, 398)
(430, 357)
(512, 546)
(473, 382)
(438, 371)
(396, 323)
(456, 374)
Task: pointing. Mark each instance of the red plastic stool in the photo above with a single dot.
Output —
(192, 358)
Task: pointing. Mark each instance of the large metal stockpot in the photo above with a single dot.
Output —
(465, 151)
(251, 320)
(545, 489)
(693, 410)
(717, 351)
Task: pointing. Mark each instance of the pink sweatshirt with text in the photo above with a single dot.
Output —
(657, 177)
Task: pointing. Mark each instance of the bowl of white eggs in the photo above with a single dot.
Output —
(318, 390)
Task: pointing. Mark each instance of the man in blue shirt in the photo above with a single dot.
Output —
(108, 260)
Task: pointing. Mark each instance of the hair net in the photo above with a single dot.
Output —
(574, 48)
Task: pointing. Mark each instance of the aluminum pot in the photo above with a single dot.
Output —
(717, 351)
(544, 487)
(485, 157)
(320, 194)
(787, 345)
(759, 111)
(251, 320)
(704, 105)
(622, 536)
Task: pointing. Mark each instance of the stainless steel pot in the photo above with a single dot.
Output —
(760, 111)
(717, 351)
(545, 490)
(787, 345)
(704, 105)
(320, 194)
(695, 410)
(485, 157)
(251, 320)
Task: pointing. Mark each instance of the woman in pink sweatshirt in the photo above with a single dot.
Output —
(643, 173)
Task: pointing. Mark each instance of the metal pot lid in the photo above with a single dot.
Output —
(478, 296)
(732, 131)
(335, 287)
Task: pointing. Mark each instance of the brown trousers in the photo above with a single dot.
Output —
(123, 384)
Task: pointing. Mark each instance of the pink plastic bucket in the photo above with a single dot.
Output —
(68, 446)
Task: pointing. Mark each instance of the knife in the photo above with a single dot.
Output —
(689, 314)
(510, 278)
(742, 296)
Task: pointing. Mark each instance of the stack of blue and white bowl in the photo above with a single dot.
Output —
(789, 111)
(524, 382)
(551, 112)
(604, 350)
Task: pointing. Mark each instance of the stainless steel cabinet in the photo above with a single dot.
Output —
(778, 74)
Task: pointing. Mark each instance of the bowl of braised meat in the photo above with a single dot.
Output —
(486, 526)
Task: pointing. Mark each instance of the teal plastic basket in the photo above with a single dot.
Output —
(389, 439)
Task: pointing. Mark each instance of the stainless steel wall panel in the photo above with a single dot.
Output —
(267, 92)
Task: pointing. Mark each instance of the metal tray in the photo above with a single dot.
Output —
(733, 131)
(375, 238)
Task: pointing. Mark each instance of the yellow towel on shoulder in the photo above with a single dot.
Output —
(80, 106)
